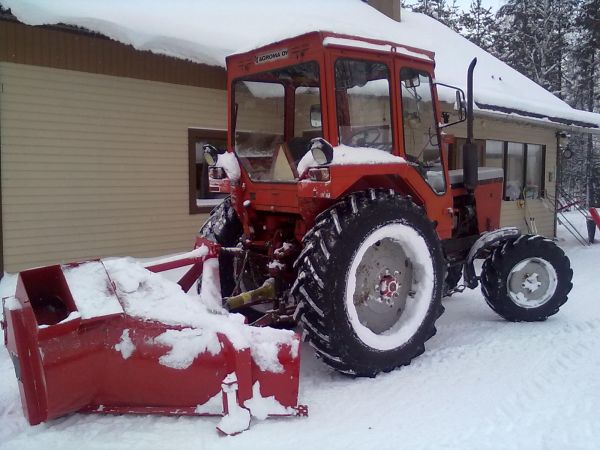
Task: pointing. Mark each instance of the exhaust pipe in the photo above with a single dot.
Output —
(470, 160)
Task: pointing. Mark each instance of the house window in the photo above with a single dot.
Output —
(455, 156)
(494, 154)
(513, 172)
(523, 166)
(534, 178)
(200, 199)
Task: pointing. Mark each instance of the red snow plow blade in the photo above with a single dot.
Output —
(71, 357)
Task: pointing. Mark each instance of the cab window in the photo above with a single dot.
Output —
(362, 93)
(421, 142)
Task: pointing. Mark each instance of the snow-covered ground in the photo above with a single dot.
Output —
(482, 383)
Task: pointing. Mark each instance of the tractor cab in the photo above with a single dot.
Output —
(343, 215)
(374, 102)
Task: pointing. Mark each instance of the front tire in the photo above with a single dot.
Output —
(527, 279)
(369, 283)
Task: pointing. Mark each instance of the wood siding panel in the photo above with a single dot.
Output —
(95, 165)
(79, 50)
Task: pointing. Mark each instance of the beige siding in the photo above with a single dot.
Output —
(514, 213)
(95, 165)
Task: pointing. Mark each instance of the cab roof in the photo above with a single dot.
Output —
(318, 40)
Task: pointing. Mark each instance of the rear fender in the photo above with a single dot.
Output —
(486, 242)
(401, 177)
(344, 177)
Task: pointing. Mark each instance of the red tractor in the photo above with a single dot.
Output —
(342, 214)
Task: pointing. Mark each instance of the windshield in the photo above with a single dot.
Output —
(362, 93)
(272, 125)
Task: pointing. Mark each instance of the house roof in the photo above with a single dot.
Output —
(208, 31)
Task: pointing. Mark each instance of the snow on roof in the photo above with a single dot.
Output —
(208, 31)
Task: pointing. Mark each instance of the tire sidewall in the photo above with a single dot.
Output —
(357, 228)
(497, 291)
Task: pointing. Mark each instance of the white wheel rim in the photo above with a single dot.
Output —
(412, 309)
(384, 280)
(531, 283)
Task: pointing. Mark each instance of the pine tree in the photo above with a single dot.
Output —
(533, 39)
(478, 25)
(585, 91)
(441, 10)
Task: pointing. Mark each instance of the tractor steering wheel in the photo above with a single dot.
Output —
(417, 164)
(366, 137)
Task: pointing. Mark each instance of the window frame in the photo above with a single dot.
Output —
(455, 162)
(435, 109)
(542, 192)
(390, 72)
(195, 135)
(231, 133)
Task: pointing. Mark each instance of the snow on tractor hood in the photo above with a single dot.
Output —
(345, 155)
(206, 32)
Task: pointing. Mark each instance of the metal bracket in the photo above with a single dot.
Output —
(485, 242)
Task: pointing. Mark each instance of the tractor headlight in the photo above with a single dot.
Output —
(211, 154)
(322, 151)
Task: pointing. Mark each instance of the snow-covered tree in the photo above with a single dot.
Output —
(532, 38)
(583, 73)
(478, 25)
(443, 11)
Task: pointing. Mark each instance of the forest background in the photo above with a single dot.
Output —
(556, 43)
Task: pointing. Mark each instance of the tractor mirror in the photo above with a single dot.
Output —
(461, 105)
(322, 151)
(315, 116)
(211, 154)
(413, 82)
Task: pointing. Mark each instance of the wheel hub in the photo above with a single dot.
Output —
(389, 287)
(531, 283)
(385, 277)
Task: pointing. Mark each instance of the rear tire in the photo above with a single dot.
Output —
(223, 227)
(369, 283)
(527, 279)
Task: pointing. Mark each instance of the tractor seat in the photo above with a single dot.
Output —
(456, 176)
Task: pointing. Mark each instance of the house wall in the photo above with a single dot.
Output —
(96, 165)
(513, 213)
(94, 157)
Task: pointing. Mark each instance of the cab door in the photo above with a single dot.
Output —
(420, 140)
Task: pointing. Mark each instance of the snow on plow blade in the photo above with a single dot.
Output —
(114, 337)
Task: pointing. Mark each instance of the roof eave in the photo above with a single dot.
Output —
(536, 119)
